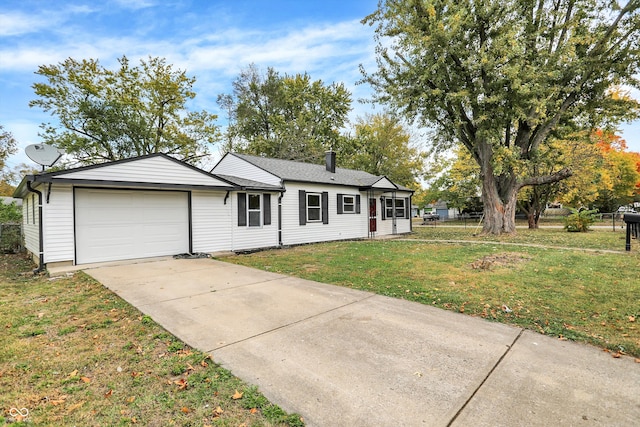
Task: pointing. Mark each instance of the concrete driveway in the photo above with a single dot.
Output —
(341, 357)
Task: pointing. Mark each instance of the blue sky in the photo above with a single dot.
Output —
(211, 40)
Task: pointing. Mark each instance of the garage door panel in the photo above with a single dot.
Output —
(125, 224)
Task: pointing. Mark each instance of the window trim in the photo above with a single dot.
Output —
(391, 207)
(244, 210)
(318, 207)
(259, 210)
(355, 204)
(399, 209)
(303, 211)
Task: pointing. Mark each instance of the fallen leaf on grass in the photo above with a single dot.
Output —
(616, 355)
(76, 406)
(74, 373)
(632, 318)
(185, 410)
(59, 401)
(237, 395)
(218, 411)
(131, 399)
(254, 410)
(182, 384)
(204, 364)
(85, 379)
(109, 393)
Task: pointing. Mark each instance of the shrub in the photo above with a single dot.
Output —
(579, 220)
(10, 213)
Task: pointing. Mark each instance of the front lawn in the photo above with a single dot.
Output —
(74, 353)
(570, 294)
(600, 238)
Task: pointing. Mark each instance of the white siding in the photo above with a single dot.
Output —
(235, 166)
(384, 183)
(30, 223)
(343, 226)
(246, 237)
(211, 221)
(152, 169)
(58, 224)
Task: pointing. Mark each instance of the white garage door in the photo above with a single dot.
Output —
(125, 224)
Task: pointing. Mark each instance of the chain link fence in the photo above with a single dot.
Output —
(11, 238)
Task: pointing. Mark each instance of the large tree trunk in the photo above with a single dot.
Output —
(499, 198)
(500, 192)
(499, 211)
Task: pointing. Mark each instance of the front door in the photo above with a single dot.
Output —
(373, 220)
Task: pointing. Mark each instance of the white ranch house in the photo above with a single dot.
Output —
(155, 205)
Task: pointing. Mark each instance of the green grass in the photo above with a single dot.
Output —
(74, 353)
(601, 238)
(571, 294)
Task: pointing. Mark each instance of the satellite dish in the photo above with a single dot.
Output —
(43, 154)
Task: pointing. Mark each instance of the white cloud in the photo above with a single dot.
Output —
(134, 4)
(17, 23)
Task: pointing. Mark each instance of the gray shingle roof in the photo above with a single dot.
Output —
(290, 170)
(248, 183)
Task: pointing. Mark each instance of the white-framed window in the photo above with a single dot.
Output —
(314, 207)
(400, 208)
(254, 209)
(392, 204)
(348, 204)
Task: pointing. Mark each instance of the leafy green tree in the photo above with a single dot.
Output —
(500, 77)
(10, 213)
(286, 117)
(107, 115)
(456, 180)
(8, 146)
(381, 146)
(618, 172)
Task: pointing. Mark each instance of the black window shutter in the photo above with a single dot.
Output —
(242, 209)
(383, 207)
(340, 203)
(357, 203)
(325, 207)
(407, 207)
(302, 206)
(266, 200)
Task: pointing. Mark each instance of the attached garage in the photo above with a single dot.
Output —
(115, 224)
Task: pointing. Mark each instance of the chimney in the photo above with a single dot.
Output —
(330, 160)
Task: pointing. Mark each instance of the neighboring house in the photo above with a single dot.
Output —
(442, 209)
(8, 200)
(155, 205)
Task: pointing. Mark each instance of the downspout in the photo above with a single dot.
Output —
(280, 217)
(41, 266)
(410, 212)
(394, 221)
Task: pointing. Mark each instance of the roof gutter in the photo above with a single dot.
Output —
(41, 265)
